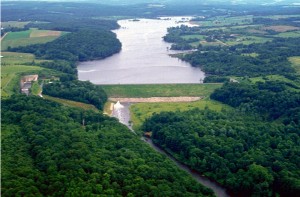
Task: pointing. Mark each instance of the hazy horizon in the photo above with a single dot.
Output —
(231, 2)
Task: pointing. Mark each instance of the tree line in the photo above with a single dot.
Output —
(78, 46)
(81, 91)
(247, 155)
(53, 150)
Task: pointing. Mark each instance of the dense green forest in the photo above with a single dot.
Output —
(226, 61)
(253, 150)
(81, 91)
(78, 46)
(249, 156)
(273, 99)
(52, 150)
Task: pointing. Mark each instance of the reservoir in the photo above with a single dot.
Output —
(144, 58)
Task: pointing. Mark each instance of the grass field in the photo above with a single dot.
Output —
(226, 21)
(17, 24)
(295, 63)
(10, 77)
(24, 38)
(272, 78)
(141, 111)
(160, 90)
(279, 16)
(72, 103)
(248, 40)
(292, 34)
(186, 37)
(12, 58)
(280, 28)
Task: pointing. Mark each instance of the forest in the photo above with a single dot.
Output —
(231, 60)
(81, 91)
(52, 150)
(78, 46)
(249, 156)
(275, 100)
(251, 148)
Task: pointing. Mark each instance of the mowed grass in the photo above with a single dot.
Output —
(246, 40)
(291, 34)
(29, 37)
(226, 21)
(17, 24)
(159, 90)
(12, 58)
(295, 63)
(71, 103)
(198, 36)
(142, 111)
(10, 76)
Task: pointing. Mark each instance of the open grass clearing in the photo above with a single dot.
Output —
(200, 37)
(246, 40)
(29, 37)
(272, 78)
(141, 111)
(44, 33)
(10, 77)
(13, 58)
(17, 24)
(251, 54)
(281, 28)
(291, 34)
(276, 17)
(295, 63)
(226, 21)
(71, 103)
(108, 108)
(159, 90)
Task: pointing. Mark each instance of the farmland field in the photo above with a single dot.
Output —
(225, 21)
(292, 34)
(12, 58)
(281, 28)
(17, 24)
(248, 40)
(24, 38)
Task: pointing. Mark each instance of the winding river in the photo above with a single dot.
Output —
(144, 58)
(122, 112)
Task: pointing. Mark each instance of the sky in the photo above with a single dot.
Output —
(259, 2)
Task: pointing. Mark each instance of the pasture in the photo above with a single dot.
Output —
(29, 37)
(17, 24)
(225, 21)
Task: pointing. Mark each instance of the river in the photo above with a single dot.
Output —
(144, 58)
(122, 112)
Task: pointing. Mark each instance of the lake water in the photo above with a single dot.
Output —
(144, 58)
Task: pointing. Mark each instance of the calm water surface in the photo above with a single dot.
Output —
(144, 57)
